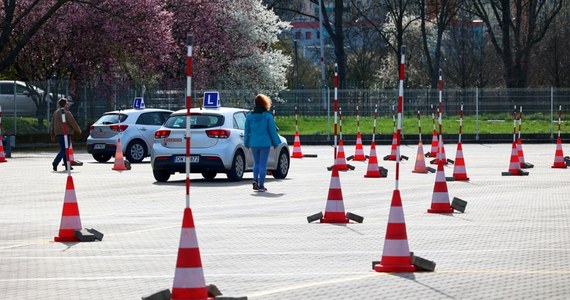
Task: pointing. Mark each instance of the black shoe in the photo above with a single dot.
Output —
(54, 165)
(255, 186)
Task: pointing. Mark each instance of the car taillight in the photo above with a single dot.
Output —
(218, 133)
(117, 127)
(91, 128)
(160, 134)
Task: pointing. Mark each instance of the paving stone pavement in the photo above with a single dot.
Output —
(512, 242)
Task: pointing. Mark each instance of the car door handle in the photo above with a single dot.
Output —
(241, 135)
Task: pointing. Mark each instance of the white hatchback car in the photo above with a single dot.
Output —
(216, 146)
(137, 127)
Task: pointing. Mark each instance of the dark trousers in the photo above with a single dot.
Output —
(62, 153)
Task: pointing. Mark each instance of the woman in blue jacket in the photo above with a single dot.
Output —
(260, 135)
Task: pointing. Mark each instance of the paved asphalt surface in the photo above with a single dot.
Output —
(512, 242)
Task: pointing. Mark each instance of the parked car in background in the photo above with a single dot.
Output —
(136, 128)
(216, 146)
(17, 96)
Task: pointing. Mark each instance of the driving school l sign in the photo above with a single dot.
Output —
(211, 99)
(138, 103)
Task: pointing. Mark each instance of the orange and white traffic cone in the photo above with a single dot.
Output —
(440, 198)
(70, 219)
(440, 156)
(514, 164)
(189, 281)
(334, 212)
(71, 155)
(434, 143)
(393, 150)
(340, 161)
(559, 156)
(396, 254)
(520, 153)
(373, 168)
(2, 154)
(359, 152)
(459, 170)
(297, 153)
(420, 166)
(119, 164)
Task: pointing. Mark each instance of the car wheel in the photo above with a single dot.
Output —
(135, 152)
(282, 165)
(238, 167)
(209, 175)
(102, 157)
(161, 176)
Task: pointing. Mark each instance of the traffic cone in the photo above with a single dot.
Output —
(559, 156)
(459, 170)
(396, 254)
(514, 164)
(392, 155)
(373, 168)
(2, 154)
(340, 161)
(189, 281)
(440, 197)
(71, 155)
(119, 164)
(440, 156)
(334, 212)
(359, 152)
(420, 166)
(520, 153)
(434, 142)
(70, 220)
(297, 153)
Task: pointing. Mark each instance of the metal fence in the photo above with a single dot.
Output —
(540, 103)
(313, 103)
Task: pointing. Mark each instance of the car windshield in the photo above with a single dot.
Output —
(197, 121)
(111, 119)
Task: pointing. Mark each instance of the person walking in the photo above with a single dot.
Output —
(260, 135)
(57, 132)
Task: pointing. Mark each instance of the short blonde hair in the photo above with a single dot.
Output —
(263, 100)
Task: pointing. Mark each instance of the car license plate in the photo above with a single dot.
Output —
(99, 146)
(181, 159)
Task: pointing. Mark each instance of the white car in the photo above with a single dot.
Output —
(137, 127)
(16, 96)
(216, 146)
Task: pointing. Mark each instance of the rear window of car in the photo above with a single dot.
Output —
(111, 119)
(197, 121)
(152, 118)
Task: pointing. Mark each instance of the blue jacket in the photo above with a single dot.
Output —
(260, 129)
